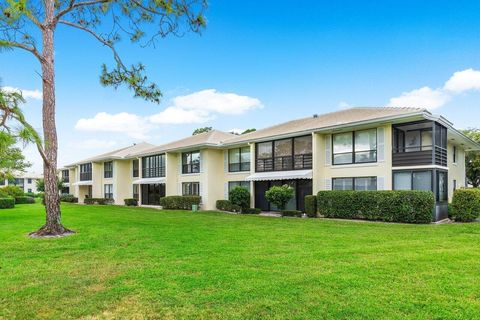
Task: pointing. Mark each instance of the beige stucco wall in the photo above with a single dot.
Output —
(122, 180)
(98, 180)
(456, 171)
(323, 171)
(172, 173)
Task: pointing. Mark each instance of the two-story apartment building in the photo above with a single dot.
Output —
(354, 149)
(25, 181)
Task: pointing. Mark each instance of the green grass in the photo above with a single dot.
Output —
(144, 263)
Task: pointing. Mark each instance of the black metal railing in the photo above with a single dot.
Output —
(85, 176)
(153, 172)
(419, 155)
(441, 156)
(285, 163)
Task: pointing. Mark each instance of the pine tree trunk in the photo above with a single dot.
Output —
(53, 225)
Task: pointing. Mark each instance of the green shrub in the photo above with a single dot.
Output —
(99, 201)
(251, 211)
(11, 191)
(180, 202)
(390, 206)
(466, 204)
(291, 213)
(7, 203)
(24, 200)
(68, 198)
(311, 206)
(30, 194)
(280, 195)
(240, 196)
(131, 202)
(223, 205)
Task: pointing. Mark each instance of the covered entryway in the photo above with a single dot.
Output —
(151, 190)
(299, 180)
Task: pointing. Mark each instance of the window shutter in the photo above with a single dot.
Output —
(179, 189)
(225, 160)
(225, 190)
(380, 144)
(179, 163)
(328, 184)
(201, 162)
(328, 150)
(380, 183)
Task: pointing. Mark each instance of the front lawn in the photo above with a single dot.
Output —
(144, 263)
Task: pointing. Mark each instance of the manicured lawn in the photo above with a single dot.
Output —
(143, 263)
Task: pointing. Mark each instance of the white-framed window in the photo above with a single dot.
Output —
(108, 191)
(355, 147)
(190, 188)
(355, 183)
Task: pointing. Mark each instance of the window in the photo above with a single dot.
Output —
(357, 183)
(135, 168)
(454, 154)
(454, 185)
(191, 162)
(108, 169)
(355, 147)
(191, 189)
(29, 190)
(153, 166)
(412, 180)
(19, 182)
(135, 192)
(86, 172)
(284, 154)
(2, 182)
(65, 175)
(108, 191)
(29, 181)
(243, 184)
(442, 187)
(239, 159)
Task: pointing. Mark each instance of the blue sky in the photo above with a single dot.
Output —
(277, 60)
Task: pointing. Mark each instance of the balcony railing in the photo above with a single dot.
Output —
(419, 155)
(85, 176)
(285, 163)
(153, 172)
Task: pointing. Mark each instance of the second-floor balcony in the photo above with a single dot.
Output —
(284, 163)
(155, 172)
(419, 143)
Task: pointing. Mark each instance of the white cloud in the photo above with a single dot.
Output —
(203, 106)
(424, 97)
(27, 94)
(96, 144)
(131, 124)
(344, 105)
(465, 80)
(211, 100)
(198, 107)
(237, 131)
(174, 115)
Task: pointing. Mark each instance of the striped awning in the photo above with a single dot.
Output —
(83, 183)
(150, 180)
(280, 175)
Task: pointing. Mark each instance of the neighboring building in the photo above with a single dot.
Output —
(26, 181)
(354, 149)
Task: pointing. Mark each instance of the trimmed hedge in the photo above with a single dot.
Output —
(251, 211)
(99, 201)
(131, 202)
(68, 198)
(291, 213)
(466, 204)
(223, 205)
(311, 206)
(7, 203)
(390, 206)
(24, 200)
(180, 202)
